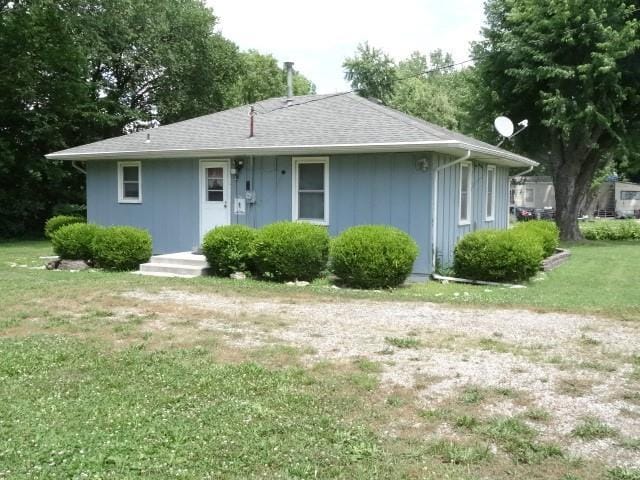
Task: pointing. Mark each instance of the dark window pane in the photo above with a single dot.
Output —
(215, 184)
(311, 176)
(490, 205)
(463, 206)
(130, 174)
(131, 190)
(311, 206)
(214, 172)
(215, 196)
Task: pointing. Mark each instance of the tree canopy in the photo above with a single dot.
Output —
(76, 71)
(427, 88)
(572, 69)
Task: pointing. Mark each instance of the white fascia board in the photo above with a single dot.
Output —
(446, 146)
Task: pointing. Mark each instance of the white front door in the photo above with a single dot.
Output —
(214, 195)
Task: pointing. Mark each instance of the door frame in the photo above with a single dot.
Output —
(204, 163)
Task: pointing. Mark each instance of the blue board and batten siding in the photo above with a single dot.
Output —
(364, 189)
(169, 208)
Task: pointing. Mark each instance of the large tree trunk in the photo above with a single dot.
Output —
(572, 167)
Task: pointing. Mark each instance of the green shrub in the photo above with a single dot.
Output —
(291, 251)
(121, 248)
(611, 230)
(373, 256)
(229, 249)
(546, 230)
(75, 241)
(54, 223)
(498, 255)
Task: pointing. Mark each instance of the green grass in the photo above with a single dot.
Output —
(87, 391)
(592, 428)
(404, 342)
(595, 280)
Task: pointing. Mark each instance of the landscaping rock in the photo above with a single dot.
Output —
(298, 283)
(68, 265)
(238, 276)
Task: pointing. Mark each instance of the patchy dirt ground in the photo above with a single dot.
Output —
(572, 367)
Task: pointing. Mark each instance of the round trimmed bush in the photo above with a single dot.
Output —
(75, 241)
(121, 248)
(291, 251)
(373, 256)
(54, 223)
(546, 230)
(229, 249)
(498, 255)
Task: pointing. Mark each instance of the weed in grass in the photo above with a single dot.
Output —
(620, 473)
(494, 345)
(632, 396)
(630, 443)
(395, 401)
(589, 341)
(436, 414)
(518, 440)
(367, 365)
(466, 421)
(537, 414)
(472, 395)
(452, 452)
(597, 366)
(403, 342)
(591, 428)
(574, 387)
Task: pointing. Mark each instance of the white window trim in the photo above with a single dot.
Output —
(121, 197)
(492, 217)
(294, 191)
(469, 194)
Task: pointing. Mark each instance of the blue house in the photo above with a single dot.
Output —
(336, 160)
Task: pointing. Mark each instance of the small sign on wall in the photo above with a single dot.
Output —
(239, 206)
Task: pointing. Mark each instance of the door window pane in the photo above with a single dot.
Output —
(215, 184)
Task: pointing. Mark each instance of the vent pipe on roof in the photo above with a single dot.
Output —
(252, 114)
(289, 67)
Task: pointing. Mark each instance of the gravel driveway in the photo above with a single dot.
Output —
(570, 365)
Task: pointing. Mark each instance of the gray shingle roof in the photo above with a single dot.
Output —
(335, 123)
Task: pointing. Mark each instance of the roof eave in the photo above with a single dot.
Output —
(444, 146)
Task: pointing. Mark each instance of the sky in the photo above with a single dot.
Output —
(318, 36)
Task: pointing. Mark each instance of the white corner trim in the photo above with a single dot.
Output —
(492, 217)
(466, 221)
(121, 197)
(295, 162)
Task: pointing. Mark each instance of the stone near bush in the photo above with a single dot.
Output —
(229, 249)
(121, 248)
(373, 256)
(74, 241)
(59, 221)
(287, 251)
(498, 255)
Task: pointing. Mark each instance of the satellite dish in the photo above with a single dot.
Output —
(504, 126)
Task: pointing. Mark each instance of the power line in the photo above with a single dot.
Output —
(437, 69)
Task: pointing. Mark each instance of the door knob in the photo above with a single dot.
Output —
(225, 204)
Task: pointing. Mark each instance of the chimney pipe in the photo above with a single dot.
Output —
(252, 113)
(289, 68)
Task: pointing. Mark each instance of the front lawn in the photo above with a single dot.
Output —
(98, 383)
(599, 279)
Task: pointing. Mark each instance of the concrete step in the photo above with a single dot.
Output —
(173, 269)
(184, 258)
